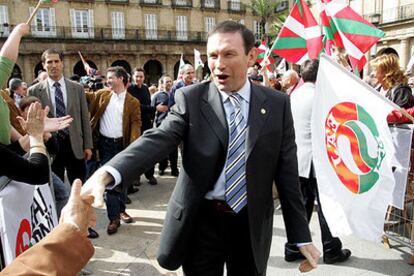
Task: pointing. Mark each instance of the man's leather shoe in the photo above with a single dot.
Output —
(152, 181)
(175, 172)
(128, 200)
(339, 257)
(113, 226)
(92, 234)
(125, 217)
(132, 189)
(292, 253)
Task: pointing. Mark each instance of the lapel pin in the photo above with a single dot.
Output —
(263, 111)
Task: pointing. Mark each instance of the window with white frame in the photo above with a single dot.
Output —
(4, 21)
(235, 5)
(257, 29)
(118, 25)
(151, 31)
(44, 23)
(82, 23)
(209, 23)
(209, 3)
(389, 11)
(181, 27)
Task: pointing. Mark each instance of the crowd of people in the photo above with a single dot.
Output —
(235, 133)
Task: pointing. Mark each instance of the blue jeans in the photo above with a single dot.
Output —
(62, 192)
(115, 201)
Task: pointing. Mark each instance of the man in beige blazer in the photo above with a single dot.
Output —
(65, 97)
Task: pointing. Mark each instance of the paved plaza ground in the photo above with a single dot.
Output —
(133, 249)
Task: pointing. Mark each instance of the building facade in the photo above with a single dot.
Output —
(152, 34)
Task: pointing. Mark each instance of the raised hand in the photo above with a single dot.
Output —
(34, 123)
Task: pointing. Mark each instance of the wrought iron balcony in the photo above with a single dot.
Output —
(234, 6)
(400, 13)
(69, 34)
(210, 5)
(150, 3)
(117, 1)
(181, 3)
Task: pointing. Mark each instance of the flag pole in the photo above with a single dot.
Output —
(81, 57)
(34, 12)
(406, 114)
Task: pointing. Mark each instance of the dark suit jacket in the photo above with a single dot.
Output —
(198, 120)
(147, 111)
(131, 120)
(79, 130)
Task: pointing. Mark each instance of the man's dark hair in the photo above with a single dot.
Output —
(230, 26)
(27, 101)
(14, 84)
(119, 72)
(309, 70)
(138, 69)
(51, 52)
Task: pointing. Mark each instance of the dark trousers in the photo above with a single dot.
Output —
(173, 158)
(220, 238)
(309, 188)
(115, 201)
(65, 159)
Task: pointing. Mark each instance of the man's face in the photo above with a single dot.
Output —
(53, 66)
(167, 82)
(228, 61)
(22, 90)
(113, 82)
(139, 78)
(188, 75)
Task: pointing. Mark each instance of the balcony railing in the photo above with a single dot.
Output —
(236, 7)
(181, 3)
(105, 34)
(150, 2)
(117, 1)
(392, 15)
(210, 5)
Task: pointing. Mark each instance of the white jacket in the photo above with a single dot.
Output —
(302, 103)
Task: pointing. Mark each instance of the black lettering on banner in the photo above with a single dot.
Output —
(41, 216)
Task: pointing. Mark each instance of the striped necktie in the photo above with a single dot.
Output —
(235, 171)
(60, 108)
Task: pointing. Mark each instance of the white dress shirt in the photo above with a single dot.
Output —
(52, 90)
(110, 124)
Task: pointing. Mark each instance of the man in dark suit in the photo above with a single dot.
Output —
(65, 97)
(237, 139)
(140, 91)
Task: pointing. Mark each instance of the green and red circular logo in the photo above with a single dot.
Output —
(351, 121)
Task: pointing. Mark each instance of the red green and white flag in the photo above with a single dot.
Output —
(345, 28)
(264, 56)
(353, 152)
(300, 37)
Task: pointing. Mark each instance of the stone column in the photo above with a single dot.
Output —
(67, 66)
(28, 69)
(404, 54)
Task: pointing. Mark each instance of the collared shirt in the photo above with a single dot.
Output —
(219, 188)
(110, 124)
(52, 90)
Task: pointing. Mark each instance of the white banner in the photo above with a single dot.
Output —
(352, 150)
(27, 214)
(402, 137)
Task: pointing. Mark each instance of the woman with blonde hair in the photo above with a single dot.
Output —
(393, 82)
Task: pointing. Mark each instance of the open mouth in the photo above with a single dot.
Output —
(222, 77)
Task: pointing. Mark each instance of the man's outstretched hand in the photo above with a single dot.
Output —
(96, 185)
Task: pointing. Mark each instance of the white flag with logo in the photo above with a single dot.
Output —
(353, 152)
(197, 59)
(182, 63)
